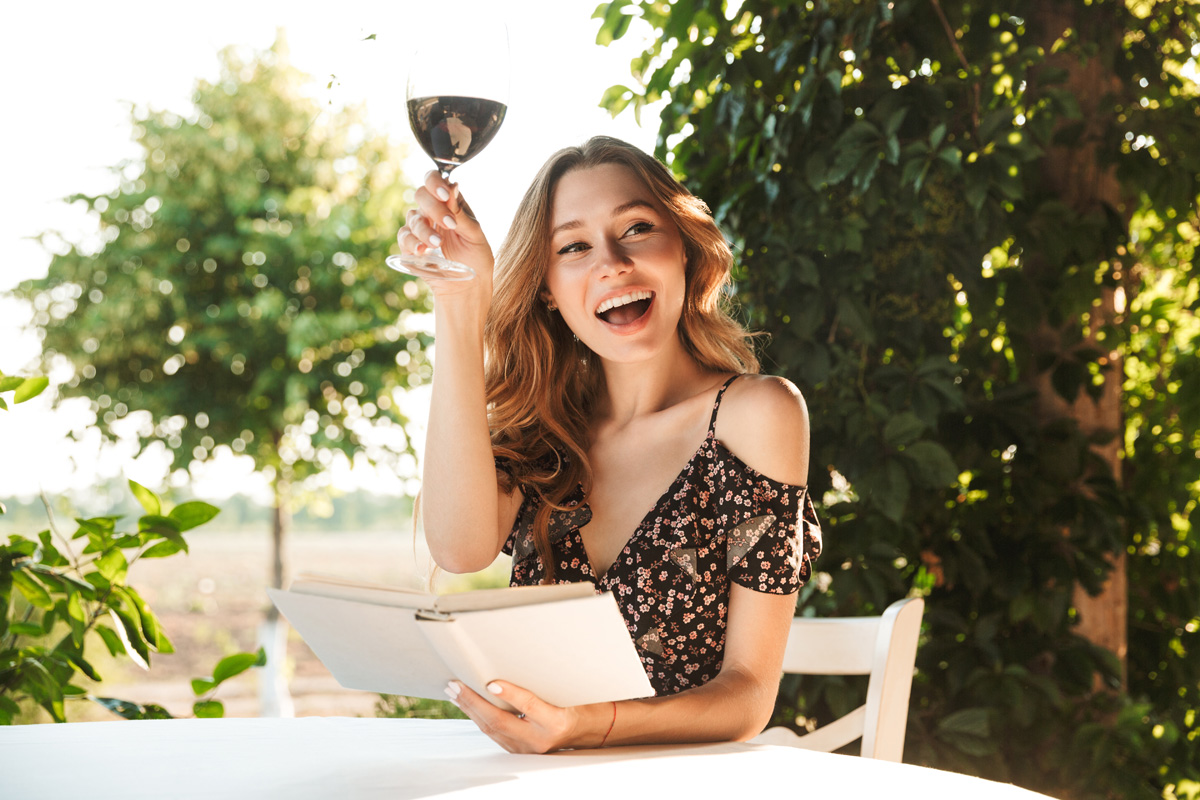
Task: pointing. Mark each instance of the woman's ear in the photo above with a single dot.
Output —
(548, 299)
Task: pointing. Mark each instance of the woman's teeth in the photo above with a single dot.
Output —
(625, 299)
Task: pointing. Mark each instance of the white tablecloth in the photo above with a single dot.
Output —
(349, 759)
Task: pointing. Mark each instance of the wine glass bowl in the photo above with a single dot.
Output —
(457, 99)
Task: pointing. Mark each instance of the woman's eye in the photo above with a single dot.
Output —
(573, 247)
(639, 227)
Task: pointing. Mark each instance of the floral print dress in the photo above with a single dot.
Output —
(719, 521)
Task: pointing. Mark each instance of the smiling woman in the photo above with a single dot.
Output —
(593, 416)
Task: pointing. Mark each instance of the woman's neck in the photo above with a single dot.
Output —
(645, 387)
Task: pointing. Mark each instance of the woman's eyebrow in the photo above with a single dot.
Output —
(616, 212)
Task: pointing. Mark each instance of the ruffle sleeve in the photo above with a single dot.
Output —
(772, 550)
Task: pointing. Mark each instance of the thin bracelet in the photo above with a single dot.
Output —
(610, 725)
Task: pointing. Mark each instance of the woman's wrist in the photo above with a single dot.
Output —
(594, 727)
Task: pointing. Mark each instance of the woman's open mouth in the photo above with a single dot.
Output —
(627, 308)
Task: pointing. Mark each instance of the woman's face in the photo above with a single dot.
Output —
(616, 263)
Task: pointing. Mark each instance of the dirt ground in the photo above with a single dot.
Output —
(212, 600)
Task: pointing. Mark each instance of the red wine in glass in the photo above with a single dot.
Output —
(452, 129)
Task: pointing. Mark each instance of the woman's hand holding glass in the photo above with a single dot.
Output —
(441, 219)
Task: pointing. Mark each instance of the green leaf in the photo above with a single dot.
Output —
(202, 686)
(147, 498)
(887, 488)
(111, 640)
(935, 467)
(164, 548)
(30, 388)
(84, 666)
(209, 709)
(45, 688)
(25, 629)
(112, 565)
(193, 514)
(154, 635)
(130, 710)
(7, 384)
(616, 98)
(130, 629)
(937, 135)
(236, 664)
(165, 527)
(967, 721)
(32, 589)
(902, 429)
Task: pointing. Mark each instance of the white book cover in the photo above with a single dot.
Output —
(564, 643)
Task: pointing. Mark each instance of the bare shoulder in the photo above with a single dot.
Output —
(764, 421)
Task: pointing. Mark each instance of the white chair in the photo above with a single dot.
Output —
(883, 647)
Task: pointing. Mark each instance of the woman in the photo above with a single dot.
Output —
(608, 360)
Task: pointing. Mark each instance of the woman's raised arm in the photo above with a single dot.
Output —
(463, 511)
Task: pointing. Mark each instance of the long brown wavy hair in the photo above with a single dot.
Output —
(541, 382)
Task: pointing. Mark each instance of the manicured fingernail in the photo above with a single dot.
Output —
(452, 690)
(435, 240)
(494, 688)
(442, 194)
(449, 222)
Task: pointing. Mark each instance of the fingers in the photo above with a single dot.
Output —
(438, 211)
(523, 700)
(539, 730)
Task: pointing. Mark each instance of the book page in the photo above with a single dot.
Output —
(368, 646)
(510, 596)
(377, 593)
(330, 586)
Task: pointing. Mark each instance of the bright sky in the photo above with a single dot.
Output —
(73, 68)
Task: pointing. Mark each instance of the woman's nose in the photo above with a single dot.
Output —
(614, 259)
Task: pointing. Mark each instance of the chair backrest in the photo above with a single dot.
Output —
(883, 647)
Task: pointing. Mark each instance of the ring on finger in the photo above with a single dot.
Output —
(520, 716)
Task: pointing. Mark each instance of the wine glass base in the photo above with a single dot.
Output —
(431, 266)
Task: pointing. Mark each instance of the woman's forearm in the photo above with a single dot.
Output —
(734, 706)
(459, 495)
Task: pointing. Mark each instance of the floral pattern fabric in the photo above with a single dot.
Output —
(719, 521)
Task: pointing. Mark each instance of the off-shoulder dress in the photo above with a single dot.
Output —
(719, 521)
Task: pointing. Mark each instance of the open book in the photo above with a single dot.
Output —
(565, 643)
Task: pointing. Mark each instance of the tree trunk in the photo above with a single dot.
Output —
(273, 696)
(1086, 182)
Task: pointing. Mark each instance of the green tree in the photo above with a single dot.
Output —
(239, 294)
(969, 230)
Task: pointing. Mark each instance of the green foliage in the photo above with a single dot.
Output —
(22, 389)
(238, 292)
(393, 705)
(59, 594)
(938, 209)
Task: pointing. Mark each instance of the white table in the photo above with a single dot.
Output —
(353, 759)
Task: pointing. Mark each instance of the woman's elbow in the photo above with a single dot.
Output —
(754, 722)
(757, 706)
(462, 564)
(460, 560)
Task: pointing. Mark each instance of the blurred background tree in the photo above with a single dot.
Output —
(970, 230)
(239, 298)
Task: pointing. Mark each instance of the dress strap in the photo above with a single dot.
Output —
(712, 423)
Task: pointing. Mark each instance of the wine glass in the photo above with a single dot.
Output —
(457, 99)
